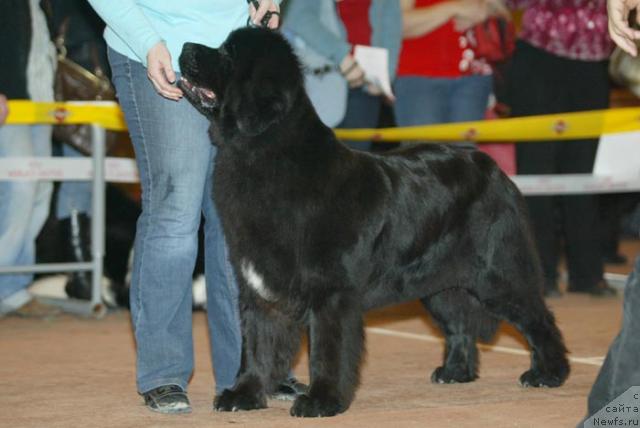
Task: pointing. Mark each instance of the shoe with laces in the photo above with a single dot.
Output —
(167, 399)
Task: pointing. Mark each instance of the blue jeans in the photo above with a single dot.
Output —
(24, 205)
(620, 369)
(73, 195)
(175, 162)
(363, 111)
(426, 101)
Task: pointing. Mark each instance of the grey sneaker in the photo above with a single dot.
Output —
(167, 399)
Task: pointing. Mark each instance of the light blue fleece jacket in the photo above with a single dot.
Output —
(305, 19)
(134, 26)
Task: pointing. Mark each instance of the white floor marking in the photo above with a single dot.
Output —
(592, 361)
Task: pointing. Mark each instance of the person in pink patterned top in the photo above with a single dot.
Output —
(560, 65)
(575, 29)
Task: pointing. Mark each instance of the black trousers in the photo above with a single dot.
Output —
(542, 83)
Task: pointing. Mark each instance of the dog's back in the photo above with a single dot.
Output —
(429, 218)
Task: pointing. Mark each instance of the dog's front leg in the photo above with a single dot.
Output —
(269, 342)
(336, 342)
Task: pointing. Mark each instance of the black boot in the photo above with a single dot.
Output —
(77, 248)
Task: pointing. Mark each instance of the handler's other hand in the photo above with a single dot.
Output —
(352, 71)
(621, 33)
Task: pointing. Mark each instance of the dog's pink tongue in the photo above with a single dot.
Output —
(209, 93)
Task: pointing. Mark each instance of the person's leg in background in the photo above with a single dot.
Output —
(23, 211)
(469, 100)
(73, 212)
(539, 158)
(587, 88)
(533, 89)
(610, 209)
(421, 100)
(363, 111)
(580, 222)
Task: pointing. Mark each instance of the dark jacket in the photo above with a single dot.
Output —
(15, 42)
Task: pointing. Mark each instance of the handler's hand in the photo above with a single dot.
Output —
(498, 8)
(4, 109)
(619, 30)
(265, 6)
(160, 72)
(352, 71)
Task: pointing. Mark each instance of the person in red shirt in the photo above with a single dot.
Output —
(439, 78)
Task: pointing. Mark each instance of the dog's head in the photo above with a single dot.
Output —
(252, 79)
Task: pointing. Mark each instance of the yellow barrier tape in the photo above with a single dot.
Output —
(105, 113)
(564, 126)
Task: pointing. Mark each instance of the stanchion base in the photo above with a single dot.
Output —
(78, 307)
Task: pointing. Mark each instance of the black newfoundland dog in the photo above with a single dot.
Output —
(319, 233)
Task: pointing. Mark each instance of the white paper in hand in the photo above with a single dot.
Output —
(375, 63)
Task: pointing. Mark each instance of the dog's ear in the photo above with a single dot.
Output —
(257, 105)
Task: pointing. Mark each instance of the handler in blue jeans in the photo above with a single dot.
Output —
(620, 369)
(175, 161)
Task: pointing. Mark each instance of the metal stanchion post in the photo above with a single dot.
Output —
(98, 218)
(95, 307)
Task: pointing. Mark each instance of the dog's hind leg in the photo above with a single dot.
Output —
(270, 340)
(529, 314)
(462, 320)
(336, 342)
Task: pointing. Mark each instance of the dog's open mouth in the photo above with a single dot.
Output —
(205, 96)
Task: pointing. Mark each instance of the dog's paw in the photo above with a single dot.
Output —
(538, 379)
(307, 406)
(233, 401)
(445, 375)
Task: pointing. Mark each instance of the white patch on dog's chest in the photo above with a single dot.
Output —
(255, 280)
